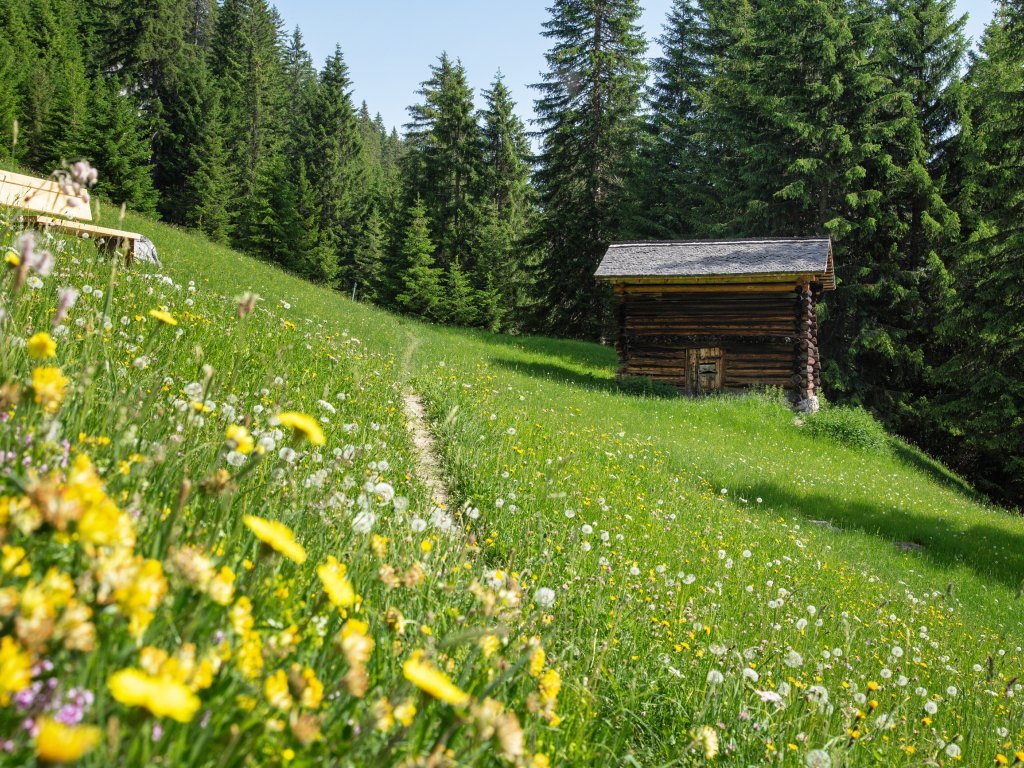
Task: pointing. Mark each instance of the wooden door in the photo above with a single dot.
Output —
(704, 370)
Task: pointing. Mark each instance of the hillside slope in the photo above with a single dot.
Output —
(716, 575)
(887, 548)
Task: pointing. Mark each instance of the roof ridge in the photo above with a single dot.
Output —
(725, 241)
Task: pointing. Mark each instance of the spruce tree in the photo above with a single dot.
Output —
(246, 57)
(338, 172)
(420, 292)
(300, 83)
(192, 125)
(506, 156)
(9, 106)
(118, 146)
(19, 87)
(147, 44)
(445, 160)
(588, 112)
(502, 288)
(885, 318)
(458, 305)
(669, 191)
(304, 251)
(983, 412)
(66, 124)
(208, 184)
(369, 258)
(506, 208)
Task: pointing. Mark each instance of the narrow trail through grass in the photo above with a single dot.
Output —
(428, 461)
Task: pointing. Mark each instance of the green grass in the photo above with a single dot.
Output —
(735, 540)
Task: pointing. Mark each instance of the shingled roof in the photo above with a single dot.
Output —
(799, 257)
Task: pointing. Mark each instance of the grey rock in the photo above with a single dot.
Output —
(145, 252)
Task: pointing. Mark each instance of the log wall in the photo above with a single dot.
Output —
(766, 338)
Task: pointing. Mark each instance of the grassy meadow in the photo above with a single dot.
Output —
(618, 579)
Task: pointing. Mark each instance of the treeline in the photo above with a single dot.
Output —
(869, 120)
(214, 116)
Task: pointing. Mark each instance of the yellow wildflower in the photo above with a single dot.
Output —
(550, 685)
(239, 437)
(405, 712)
(250, 655)
(302, 426)
(241, 616)
(50, 387)
(103, 524)
(14, 561)
(139, 599)
(163, 696)
(277, 536)
(489, 644)
(163, 316)
(15, 669)
(540, 760)
(58, 744)
(431, 680)
(338, 588)
(222, 586)
(41, 346)
(312, 689)
(537, 659)
(707, 739)
(275, 688)
(356, 643)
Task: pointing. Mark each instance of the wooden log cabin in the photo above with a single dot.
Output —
(723, 315)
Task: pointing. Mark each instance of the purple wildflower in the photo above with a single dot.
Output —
(66, 298)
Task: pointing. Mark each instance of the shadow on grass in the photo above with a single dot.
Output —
(988, 550)
(581, 353)
(943, 475)
(633, 385)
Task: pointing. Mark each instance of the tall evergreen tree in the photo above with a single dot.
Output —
(369, 258)
(669, 191)
(506, 210)
(588, 112)
(118, 146)
(420, 292)
(208, 184)
(984, 410)
(246, 57)
(445, 159)
(66, 123)
(878, 328)
(300, 84)
(338, 173)
(9, 102)
(458, 300)
(790, 111)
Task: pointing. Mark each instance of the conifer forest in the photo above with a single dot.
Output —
(876, 122)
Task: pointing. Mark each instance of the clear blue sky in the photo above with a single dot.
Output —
(389, 45)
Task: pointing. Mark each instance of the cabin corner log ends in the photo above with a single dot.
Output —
(711, 316)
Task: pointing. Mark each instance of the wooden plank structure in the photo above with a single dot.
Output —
(33, 196)
(722, 315)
